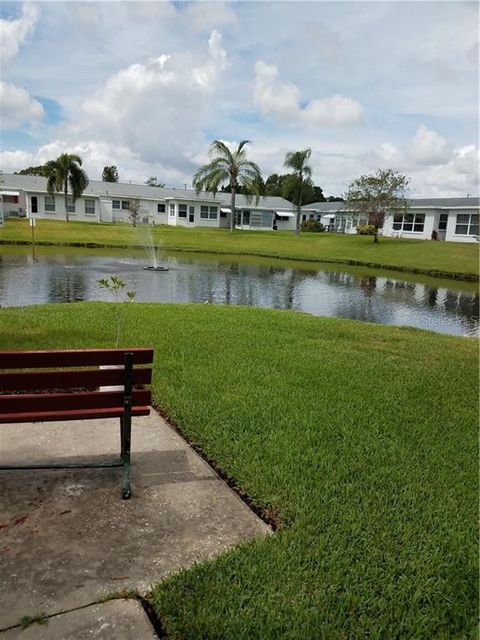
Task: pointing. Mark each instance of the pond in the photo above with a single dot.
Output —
(69, 275)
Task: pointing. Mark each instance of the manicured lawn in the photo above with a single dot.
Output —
(437, 258)
(362, 439)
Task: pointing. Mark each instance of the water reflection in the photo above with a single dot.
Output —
(69, 286)
(355, 294)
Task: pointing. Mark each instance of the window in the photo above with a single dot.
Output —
(125, 205)
(70, 205)
(442, 221)
(409, 222)
(261, 219)
(160, 207)
(182, 210)
(191, 210)
(50, 204)
(208, 212)
(304, 217)
(34, 204)
(89, 207)
(172, 210)
(115, 204)
(467, 224)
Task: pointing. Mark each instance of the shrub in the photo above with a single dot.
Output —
(366, 229)
(312, 225)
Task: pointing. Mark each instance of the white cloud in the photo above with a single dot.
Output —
(428, 147)
(15, 32)
(14, 160)
(157, 109)
(204, 16)
(17, 107)
(282, 100)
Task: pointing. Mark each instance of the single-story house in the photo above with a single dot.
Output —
(453, 219)
(27, 196)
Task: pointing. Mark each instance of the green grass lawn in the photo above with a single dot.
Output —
(437, 258)
(361, 438)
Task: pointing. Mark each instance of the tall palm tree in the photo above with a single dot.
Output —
(64, 171)
(296, 183)
(232, 168)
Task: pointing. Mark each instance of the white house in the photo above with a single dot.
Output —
(27, 196)
(453, 219)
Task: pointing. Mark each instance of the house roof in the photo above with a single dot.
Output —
(440, 203)
(126, 190)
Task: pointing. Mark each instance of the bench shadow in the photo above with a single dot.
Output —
(149, 468)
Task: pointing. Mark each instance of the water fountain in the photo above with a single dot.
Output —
(146, 235)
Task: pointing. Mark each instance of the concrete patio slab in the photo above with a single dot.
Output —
(113, 620)
(66, 537)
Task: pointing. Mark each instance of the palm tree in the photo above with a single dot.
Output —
(233, 168)
(110, 173)
(294, 186)
(64, 171)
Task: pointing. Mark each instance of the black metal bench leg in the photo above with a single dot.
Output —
(125, 459)
(126, 427)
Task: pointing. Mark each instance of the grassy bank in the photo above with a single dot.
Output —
(445, 259)
(361, 438)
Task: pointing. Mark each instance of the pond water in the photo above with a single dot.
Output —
(66, 275)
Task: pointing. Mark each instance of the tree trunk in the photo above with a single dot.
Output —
(66, 199)
(375, 235)
(299, 215)
(232, 208)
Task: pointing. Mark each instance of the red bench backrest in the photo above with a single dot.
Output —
(70, 392)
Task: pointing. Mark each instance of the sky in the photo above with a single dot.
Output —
(147, 86)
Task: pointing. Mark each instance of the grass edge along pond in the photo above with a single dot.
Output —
(362, 438)
(438, 259)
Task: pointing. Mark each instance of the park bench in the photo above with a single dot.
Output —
(77, 385)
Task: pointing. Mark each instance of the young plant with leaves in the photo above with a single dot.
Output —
(115, 285)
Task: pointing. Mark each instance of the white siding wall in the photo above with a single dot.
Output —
(105, 210)
(59, 213)
(286, 224)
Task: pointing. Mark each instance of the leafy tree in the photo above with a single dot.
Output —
(63, 172)
(227, 189)
(317, 195)
(233, 168)
(275, 186)
(153, 182)
(40, 170)
(110, 173)
(376, 194)
(297, 182)
(335, 199)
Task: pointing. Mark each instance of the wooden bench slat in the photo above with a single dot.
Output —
(83, 414)
(29, 403)
(72, 358)
(37, 380)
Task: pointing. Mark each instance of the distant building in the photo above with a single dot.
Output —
(27, 196)
(453, 219)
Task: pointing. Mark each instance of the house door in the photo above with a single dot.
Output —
(191, 214)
